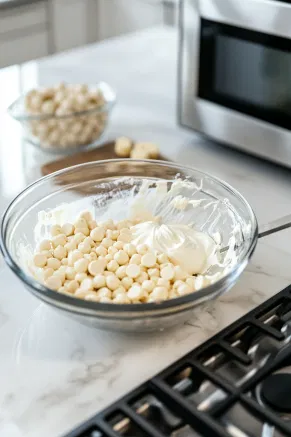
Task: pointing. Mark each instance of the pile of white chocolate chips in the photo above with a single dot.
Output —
(102, 262)
(71, 115)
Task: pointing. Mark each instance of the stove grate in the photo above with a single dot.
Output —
(213, 390)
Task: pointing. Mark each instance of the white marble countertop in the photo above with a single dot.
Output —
(55, 373)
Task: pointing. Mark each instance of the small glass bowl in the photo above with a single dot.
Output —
(65, 134)
(95, 186)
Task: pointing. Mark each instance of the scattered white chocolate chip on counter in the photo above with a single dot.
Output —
(145, 151)
(123, 147)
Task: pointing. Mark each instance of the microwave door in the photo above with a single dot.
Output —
(235, 73)
(246, 71)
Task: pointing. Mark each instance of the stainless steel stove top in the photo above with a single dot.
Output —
(236, 384)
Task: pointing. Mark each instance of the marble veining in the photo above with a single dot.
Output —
(54, 372)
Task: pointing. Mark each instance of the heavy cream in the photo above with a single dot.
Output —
(192, 250)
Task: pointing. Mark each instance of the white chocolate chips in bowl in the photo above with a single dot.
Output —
(101, 263)
(164, 197)
(147, 257)
(64, 118)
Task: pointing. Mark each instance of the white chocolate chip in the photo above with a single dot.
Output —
(107, 242)
(96, 267)
(199, 282)
(92, 297)
(135, 292)
(154, 272)
(70, 273)
(74, 256)
(98, 234)
(112, 282)
(80, 276)
(107, 258)
(133, 270)
(149, 259)
(135, 259)
(112, 250)
(105, 300)
(119, 290)
(118, 245)
(87, 216)
(121, 257)
(101, 251)
(123, 147)
(191, 282)
(53, 263)
(104, 292)
(121, 272)
(148, 285)
(159, 293)
(79, 236)
(72, 286)
(112, 266)
(87, 284)
(130, 249)
(99, 281)
(92, 224)
(125, 238)
(40, 260)
(163, 283)
(81, 224)
(184, 289)
(127, 282)
(60, 252)
(121, 299)
(59, 240)
(168, 272)
(68, 229)
(92, 265)
(84, 248)
(47, 273)
(81, 265)
(53, 282)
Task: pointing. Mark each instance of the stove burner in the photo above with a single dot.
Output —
(276, 391)
(236, 384)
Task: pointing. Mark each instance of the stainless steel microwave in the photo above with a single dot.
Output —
(234, 74)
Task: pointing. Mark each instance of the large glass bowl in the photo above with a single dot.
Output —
(94, 186)
(69, 133)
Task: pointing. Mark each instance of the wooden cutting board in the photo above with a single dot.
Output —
(106, 151)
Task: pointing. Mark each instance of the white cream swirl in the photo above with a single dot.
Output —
(194, 251)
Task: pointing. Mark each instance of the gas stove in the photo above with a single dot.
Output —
(236, 384)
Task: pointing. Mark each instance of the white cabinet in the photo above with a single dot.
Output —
(44, 27)
(24, 33)
(20, 18)
(23, 48)
(71, 23)
(116, 17)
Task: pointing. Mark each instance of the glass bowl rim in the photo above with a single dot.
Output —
(90, 308)
(106, 107)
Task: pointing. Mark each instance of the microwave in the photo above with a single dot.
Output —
(234, 74)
